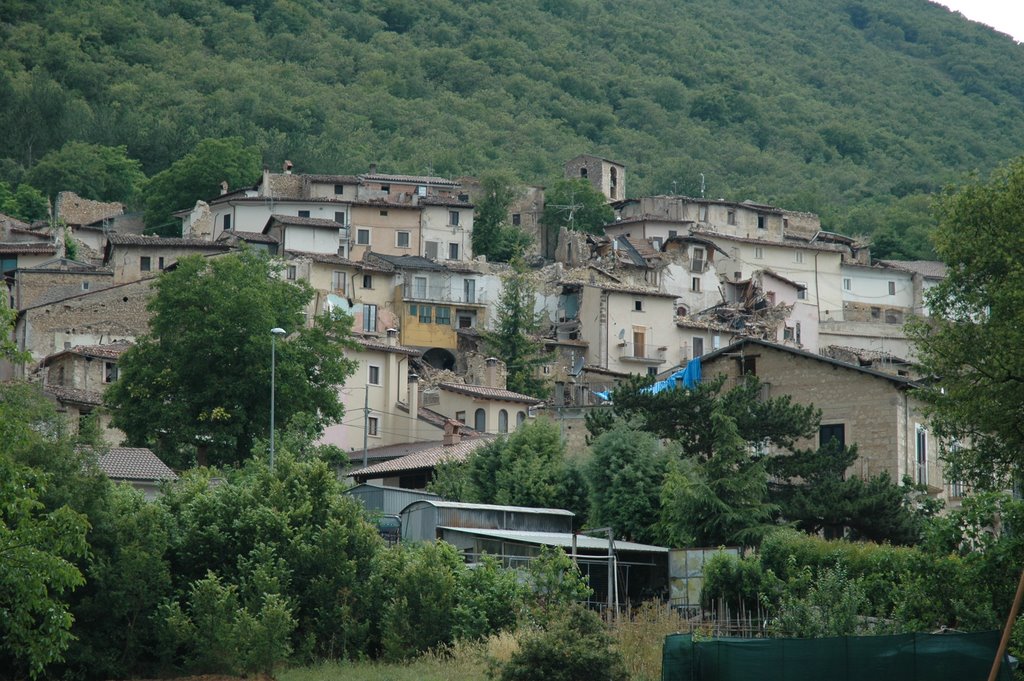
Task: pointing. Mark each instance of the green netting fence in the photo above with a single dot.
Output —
(903, 657)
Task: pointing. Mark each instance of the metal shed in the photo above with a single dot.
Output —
(387, 500)
(422, 519)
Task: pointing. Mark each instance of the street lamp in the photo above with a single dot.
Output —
(274, 333)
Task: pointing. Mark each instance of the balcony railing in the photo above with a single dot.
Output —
(443, 294)
(646, 353)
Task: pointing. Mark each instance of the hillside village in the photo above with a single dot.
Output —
(745, 287)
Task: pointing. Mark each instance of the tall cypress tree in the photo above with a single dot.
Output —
(516, 335)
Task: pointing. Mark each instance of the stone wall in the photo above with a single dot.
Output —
(74, 210)
(36, 287)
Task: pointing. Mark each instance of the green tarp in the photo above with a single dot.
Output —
(904, 657)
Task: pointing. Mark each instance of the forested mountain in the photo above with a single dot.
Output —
(855, 109)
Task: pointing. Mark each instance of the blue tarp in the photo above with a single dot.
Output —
(689, 376)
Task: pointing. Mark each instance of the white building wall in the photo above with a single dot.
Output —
(871, 286)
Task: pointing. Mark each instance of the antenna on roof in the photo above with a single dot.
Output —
(702, 185)
(571, 208)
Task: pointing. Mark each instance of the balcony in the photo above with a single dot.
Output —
(443, 294)
(642, 353)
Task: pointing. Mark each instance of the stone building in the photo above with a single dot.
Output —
(604, 175)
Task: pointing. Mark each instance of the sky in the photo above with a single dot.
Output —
(1006, 16)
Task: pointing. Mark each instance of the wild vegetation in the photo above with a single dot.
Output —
(857, 110)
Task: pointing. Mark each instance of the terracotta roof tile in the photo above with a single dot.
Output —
(304, 222)
(256, 237)
(427, 458)
(74, 395)
(108, 351)
(409, 179)
(159, 241)
(489, 393)
(928, 268)
(33, 248)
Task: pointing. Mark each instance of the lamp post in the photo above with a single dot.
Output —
(274, 333)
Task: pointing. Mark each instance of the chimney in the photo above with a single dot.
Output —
(223, 187)
(452, 433)
(392, 337)
(265, 185)
(491, 374)
(373, 169)
(414, 404)
(288, 165)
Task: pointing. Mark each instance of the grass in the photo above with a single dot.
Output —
(639, 637)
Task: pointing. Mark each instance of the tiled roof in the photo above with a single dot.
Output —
(409, 179)
(74, 395)
(160, 241)
(256, 237)
(332, 179)
(133, 463)
(108, 351)
(636, 290)
(388, 452)
(31, 248)
(329, 258)
(383, 346)
(412, 262)
(928, 268)
(441, 201)
(489, 393)
(12, 222)
(427, 458)
(304, 222)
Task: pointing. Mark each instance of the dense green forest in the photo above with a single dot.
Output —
(857, 110)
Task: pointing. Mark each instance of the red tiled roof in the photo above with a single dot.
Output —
(408, 179)
(32, 248)
(108, 351)
(427, 458)
(928, 268)
(304, 222)
(489, 393)
(374, 344)
(256, 237)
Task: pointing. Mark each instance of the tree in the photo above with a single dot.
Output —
(38, 545)
(25, 202)
(198, 384)
(515, 335)
(624, 475)
(90, 170)
(969, 343)
(575, 205)
(720, 500)
(493, 236)
(196, 176)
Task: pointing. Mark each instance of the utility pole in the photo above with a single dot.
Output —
(366, 422)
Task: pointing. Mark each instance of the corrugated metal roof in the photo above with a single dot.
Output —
(561, 539)
(440, 503)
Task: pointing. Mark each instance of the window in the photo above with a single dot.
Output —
(639, 341)
(762, 222)
(227, 222)
(85, 286)
(655, 241)
(460, 416)
(384, 213)
(373, 426)
(109, 372)
(921, 440)
(367, 281)
(520, 418)
(386, 188)
(160, 263)
(517, 219)
(480, 420)
(443, 316)
(695, 284)
(369, 318)
(373, 375)
(431, 249)
(339, 189)
(469, 290)
(339, 217)
(638, 306)
(402, 239)
(421, 190)
(614, 182)
(363, 237)
(799, 255)
(732, 216)
(502, 421)
(758, 253)
(425, 314)
(144, 263)
(832, 431)
(697, 261)
(698, 346)
(303, 213)
(291, 273)
(672, 233)
(583, 172)
(748, 366)
(703, 213)
(847, 284)
(338, 281)
(453, 217)
(453, 251)
(892, 288)
(801, 291)
(419, 287)
(412, 311)
(798, 332)
(652, 371)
